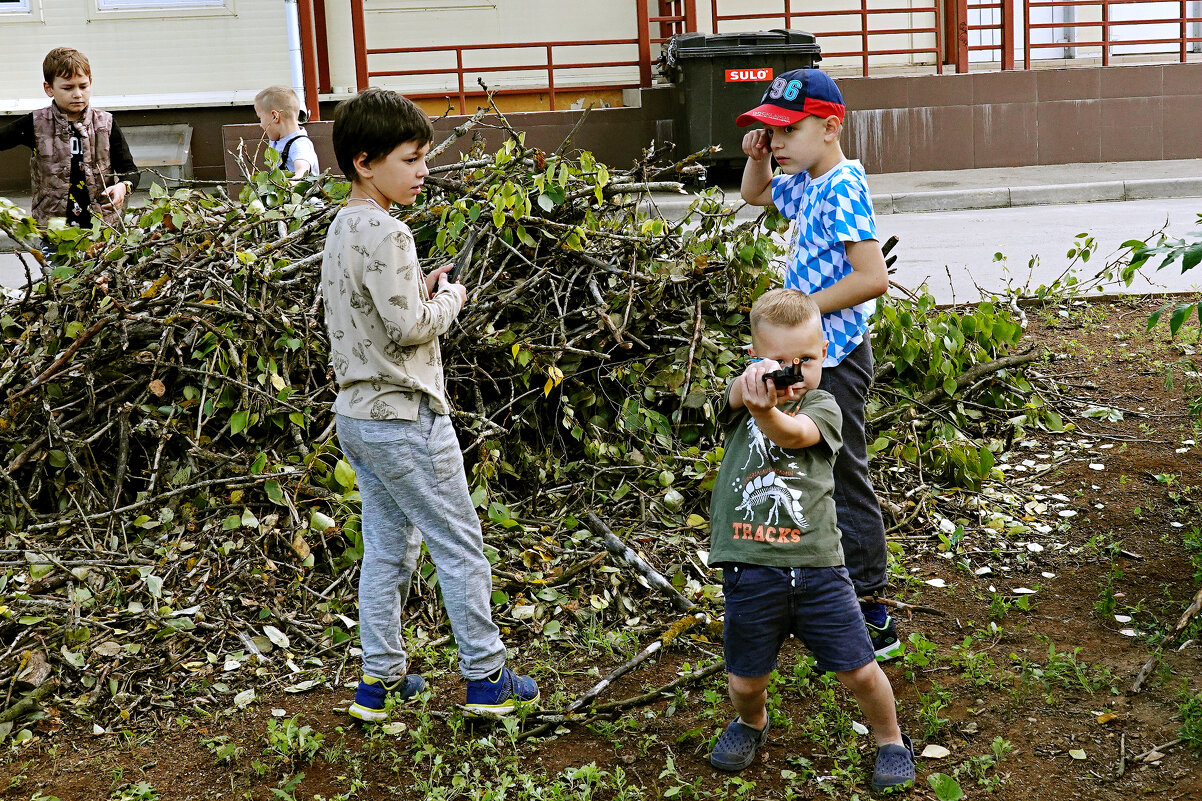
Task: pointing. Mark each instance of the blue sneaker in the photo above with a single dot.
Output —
(369, 698)
(499, 695)
(884, 640)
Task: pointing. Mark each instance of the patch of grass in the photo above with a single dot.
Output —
(291, 742)
(930, 705)
(1191, 721)
(1107, 603)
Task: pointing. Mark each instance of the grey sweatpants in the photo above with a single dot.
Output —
(412, 483)
(861, 525)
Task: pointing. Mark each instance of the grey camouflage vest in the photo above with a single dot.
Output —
(50, 164)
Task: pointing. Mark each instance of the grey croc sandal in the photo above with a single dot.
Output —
(736, 747)
(894, 766)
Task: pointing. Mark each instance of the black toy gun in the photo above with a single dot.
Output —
(786, 376)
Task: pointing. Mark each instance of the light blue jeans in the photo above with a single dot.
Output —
(412, 483)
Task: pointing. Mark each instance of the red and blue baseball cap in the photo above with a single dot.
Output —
(794, 95)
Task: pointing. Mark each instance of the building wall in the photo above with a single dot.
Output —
(171, 57)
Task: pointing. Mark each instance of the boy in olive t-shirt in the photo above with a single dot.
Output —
(773, 531)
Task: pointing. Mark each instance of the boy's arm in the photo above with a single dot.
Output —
(398, 291)
(761, 399)
(868, 279)
(123, 160)
(18, 132)
(756, 188)
(790, 431)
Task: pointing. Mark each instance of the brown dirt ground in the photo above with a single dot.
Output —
(1107, 359)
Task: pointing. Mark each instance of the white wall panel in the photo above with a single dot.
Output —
(213, 56)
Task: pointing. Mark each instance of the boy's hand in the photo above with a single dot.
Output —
(445, 284)
(760, 396)
(116, 196)
(432, 278)
(757, 144)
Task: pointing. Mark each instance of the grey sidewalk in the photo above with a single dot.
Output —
(1005, 187)
(1002, 187)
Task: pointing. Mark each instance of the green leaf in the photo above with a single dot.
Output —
(946, 788)
(344, 474)
(238, 421)
(1179, 315)
(1191, 257)
(232, 522)
(949, 386)
(274, 493)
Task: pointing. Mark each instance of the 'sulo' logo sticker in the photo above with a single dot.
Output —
(754, 74)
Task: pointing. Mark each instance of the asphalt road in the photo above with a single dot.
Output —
(953, 251)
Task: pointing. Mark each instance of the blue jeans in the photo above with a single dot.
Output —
(860, 522)
(412, 483)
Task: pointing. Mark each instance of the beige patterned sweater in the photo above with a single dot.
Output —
(383, 324)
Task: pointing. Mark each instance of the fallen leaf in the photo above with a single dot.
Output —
(936, 582)
(243, 698)
(302, 687)
(1107, 717)
(935, 752)
(1077, 753)
(157, 387)
(108, 648)
(1023, 591)
(276, 636)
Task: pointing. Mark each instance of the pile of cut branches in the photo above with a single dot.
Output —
(178, 522)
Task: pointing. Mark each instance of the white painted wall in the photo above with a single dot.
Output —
(149, 57)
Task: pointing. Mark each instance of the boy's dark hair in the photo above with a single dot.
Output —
(65, 62)
(375, 122)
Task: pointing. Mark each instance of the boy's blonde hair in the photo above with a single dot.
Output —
(65, 62)
(278, 98)
(785, 308)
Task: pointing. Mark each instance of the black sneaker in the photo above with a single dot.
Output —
(884, 640)
(736, 747)
(894, 768)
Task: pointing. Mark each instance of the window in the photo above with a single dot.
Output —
(14, 6)
(160, 9)
(142, 5)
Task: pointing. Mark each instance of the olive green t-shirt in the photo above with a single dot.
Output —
(773, 505)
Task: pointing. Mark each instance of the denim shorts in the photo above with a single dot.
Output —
(764, 605)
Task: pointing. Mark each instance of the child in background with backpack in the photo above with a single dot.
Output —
(279, 117)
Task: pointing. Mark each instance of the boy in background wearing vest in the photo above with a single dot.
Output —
(279, 117)
(81, 165)
(835, 257)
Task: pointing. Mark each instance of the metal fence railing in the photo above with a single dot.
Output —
(866, 36)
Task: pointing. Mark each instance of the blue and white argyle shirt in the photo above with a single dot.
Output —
(826, 212)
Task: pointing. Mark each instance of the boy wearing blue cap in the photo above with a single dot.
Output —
(835, 257)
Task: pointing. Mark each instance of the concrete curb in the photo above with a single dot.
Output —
(1052, 194)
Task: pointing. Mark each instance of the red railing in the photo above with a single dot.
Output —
(1105, 27)
(669, 20)
(870, 23)
(957, 33)
(1085, 25)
